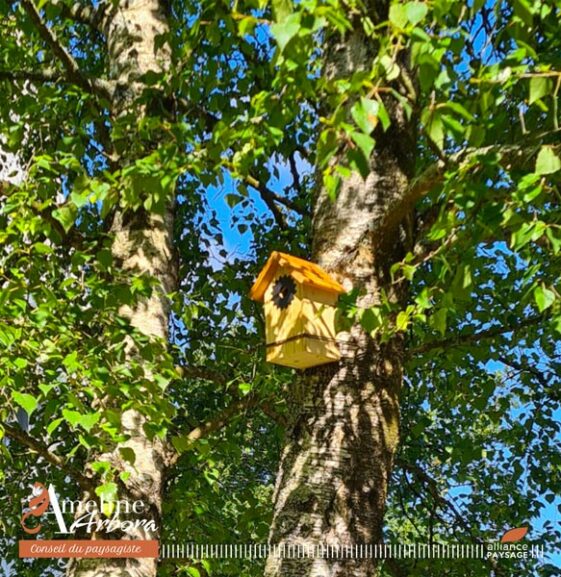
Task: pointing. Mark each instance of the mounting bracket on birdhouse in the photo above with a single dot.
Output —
(300, 301)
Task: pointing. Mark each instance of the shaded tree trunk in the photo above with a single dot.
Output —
(337, 460)
(142, 244)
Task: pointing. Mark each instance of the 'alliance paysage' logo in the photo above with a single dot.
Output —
(510, 547)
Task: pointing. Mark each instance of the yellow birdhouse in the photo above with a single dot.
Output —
(300, 302)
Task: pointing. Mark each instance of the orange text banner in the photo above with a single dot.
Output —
(88, 549)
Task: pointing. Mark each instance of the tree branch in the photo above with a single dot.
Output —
(432, 485)
(222, 418)
(47, 75)
(265, 191)
(273, 414)
(508, 155)
(219, 421)
(22, 437)
(189, 108)
(35, 76)
(472, 338)
(84, 14)
(433, 489)
(73, 237)
(539, 376)
(297, 182)
(269, 198)
(203, 374)
(73, 71)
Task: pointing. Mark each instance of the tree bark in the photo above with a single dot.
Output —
(336, 464)
(142, 244)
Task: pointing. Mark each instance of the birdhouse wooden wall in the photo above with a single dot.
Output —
(299, 312)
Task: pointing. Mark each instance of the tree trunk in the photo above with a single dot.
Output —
(337, 460)
(142, 244)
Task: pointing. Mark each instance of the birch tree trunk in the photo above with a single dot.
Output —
(142, 244)
(337, 460)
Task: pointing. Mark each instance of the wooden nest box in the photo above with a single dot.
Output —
(300, 302)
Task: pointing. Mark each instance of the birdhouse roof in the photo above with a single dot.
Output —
(301, 270)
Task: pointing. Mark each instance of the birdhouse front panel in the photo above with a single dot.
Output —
(300, 302)
(318, 312)
(283, 306)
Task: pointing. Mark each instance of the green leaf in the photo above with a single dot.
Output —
(42, 248)
(455, 127)
(46, 389)
(233, 199)
(128, 454)
(529, 231)
(245, 388)
(331, 183)
(391, 69)
(435, 130)
(364, 142)
(371, 319)
(105, 258)
(66, 216)
(540, 86)
(26, 401)
(53, 425)
(556, 322)
(89, 420)
(398, 15)
(86, 421)
(438, 320)
(181, 443)
(461, 110)
(402, 321)
(101, 467)
(554, 240)
(328, 143)
(20, 363)
(246, 25)
(72, 417)
(544, 297)
(365, 114)
(281, 9)
(416, 11)
(408, 271)
(384, 116)
(70, 361)
(108, 491)
(423, 300)
(547, 162)
(286, 30)
(80, 197)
